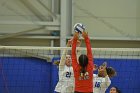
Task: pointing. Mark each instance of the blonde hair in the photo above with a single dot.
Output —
(57, 62)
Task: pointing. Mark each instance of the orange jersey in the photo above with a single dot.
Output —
(83, 84)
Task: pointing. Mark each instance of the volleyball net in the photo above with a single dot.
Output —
(27, 69)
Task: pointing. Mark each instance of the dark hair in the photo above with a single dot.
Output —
(83, 62)
(110, 71)
(117, 89)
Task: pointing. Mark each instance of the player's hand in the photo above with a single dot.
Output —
(104, 68)
(78, 43)
(104, 64)
(71, 41)
(76, 35)
(84, 34)
(95, 67)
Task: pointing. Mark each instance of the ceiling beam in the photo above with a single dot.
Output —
(20, 33)
(48, 10)
(32, 9)
(55, 23)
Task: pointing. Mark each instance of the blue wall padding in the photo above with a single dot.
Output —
(128, 73)
(25, 75)
(32, 75)
(54, 75)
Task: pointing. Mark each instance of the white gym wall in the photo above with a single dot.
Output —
(32, 22)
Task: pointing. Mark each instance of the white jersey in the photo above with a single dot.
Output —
(100, 83)
(66, 76)
(66, 81)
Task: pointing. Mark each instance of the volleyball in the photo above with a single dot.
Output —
(79, 27)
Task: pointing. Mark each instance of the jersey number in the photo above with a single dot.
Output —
(68, 74)
(97, 84)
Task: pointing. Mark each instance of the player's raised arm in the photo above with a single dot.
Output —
(63, 58)
(107, 79)
(88, 46)
(74, 56)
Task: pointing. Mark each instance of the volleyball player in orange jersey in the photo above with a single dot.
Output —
(83, 67)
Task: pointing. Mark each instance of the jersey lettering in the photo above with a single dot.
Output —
(68, 74)
(97, 84)
(84, 78)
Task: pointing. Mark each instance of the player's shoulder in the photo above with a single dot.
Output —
(94, 75)
(68, 68)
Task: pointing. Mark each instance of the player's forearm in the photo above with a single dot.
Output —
(107, 81)
(74, 58)
(89, 51)
(63, 57)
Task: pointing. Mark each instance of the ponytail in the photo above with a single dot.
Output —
(83, 62)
